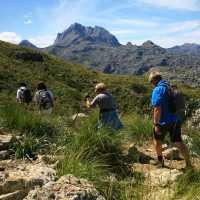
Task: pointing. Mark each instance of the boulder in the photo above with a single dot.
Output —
(17, 195)
(23, 177)
(162, 177)
(5, 141)
(4, 155)
(67, 187)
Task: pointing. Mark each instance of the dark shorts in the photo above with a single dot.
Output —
(174, 130)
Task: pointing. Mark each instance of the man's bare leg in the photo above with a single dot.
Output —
(158, 148)
(185, 153)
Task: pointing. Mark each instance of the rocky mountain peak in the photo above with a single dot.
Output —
(28, 44)
(78, 33)
(148, 43)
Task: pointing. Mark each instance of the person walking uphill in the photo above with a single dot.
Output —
(23, 94)
(163, 119)
(108, 115)
(44, 99)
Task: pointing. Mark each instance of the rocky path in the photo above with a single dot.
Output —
(35, 180)
(159, 183)
(18, 177)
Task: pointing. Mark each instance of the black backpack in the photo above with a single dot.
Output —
(45, 100)
(25, 95)
(176, 101)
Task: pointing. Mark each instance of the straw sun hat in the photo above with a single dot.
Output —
(100, 87)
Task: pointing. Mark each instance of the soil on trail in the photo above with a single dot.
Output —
(159, 183)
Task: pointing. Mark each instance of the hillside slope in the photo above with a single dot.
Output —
(70, 82)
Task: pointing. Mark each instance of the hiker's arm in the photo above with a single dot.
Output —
(93, 103)
(156, 118)
(156, 115)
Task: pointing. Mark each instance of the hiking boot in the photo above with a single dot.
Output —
(158, 163)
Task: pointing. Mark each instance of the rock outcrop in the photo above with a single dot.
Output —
(19, 177)
(67, 187)
(77, 34)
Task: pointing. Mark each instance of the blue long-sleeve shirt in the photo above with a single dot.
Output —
(160, 99)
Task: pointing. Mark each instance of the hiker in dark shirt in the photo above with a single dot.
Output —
(164, 121)
(108, 115)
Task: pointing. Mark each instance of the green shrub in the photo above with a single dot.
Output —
(138, 128)
(126, 189)
(18, 117)
(27, 146)
(97, 156)
(189, 185)
(103, 145)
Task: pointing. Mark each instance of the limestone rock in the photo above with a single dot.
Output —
(4, 155)
(5, 141)
(67, 187)
(162, 177)
(171, 154)
(24, 177)
(194, 122)
(17, 195)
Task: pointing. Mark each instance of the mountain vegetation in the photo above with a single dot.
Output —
(101, 156)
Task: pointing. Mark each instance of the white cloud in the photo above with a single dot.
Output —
(43, 41)
(27, 21)
(124, 32)
(67, 12)
(11, 37)
(136, 22)
(173, 40)
(190, 5)
(182, 26)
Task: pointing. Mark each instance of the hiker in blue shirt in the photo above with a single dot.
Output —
(164, 121)
(108, 115)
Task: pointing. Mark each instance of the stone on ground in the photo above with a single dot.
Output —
(5, 141)
(66, 188)
(24, 176)
(172, 154)
(17, 195)
(4, 154)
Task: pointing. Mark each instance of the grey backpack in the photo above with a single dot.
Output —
(45, 100)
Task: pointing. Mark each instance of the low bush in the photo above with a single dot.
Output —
(97, 156)
(138, 128)
(18, 117)
(189, 185)
(26, 147)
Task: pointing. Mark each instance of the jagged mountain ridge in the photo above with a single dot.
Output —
(100, 50)
(186, 48)
(77, 33)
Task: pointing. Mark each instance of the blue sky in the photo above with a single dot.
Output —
(165, 22)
